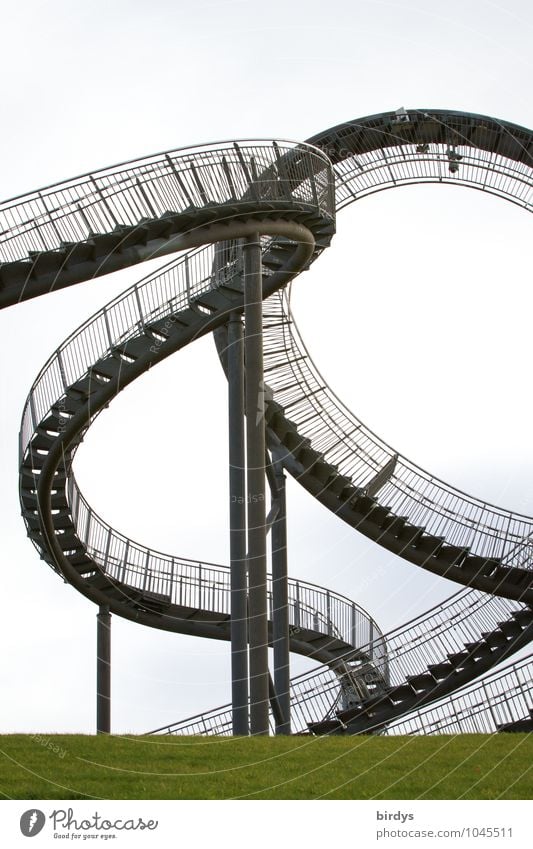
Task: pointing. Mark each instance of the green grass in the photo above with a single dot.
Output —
(467, 766)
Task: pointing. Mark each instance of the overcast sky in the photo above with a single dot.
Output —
(428, 291)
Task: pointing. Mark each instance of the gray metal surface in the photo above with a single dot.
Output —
(237, 515)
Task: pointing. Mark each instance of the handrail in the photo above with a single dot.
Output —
(108, 200)
(502, 698)
(185, 150)
(205, 585)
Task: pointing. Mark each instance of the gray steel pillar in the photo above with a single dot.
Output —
(255, 457)
(237, 533)
(103, 670)
(280, 605)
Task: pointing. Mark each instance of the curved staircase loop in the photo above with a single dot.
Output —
(204, 200)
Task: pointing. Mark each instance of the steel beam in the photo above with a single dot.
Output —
(280, 605)
(237, 513)
(255, 498)
(103, 670)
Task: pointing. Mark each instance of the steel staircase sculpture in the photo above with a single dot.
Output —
(215, 195)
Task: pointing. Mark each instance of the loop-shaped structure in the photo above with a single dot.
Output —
(204, 200)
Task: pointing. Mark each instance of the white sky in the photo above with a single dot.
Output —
(427, 289)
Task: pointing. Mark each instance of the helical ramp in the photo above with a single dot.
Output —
(204, 201)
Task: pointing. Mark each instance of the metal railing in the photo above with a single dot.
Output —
(164, 293)
(357, 452)
(411, 648)
(436, 145)
(206, 586)
(499, 699)
(260, 171)
(172, 182)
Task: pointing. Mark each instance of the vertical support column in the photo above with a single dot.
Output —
(103, 670)
(280, 597)
(255, 455)
(237, 533)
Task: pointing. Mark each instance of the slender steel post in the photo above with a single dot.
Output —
(103, 670)
(280, 604)
(255, 456)
(237, 533)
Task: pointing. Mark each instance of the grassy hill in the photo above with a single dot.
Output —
(447, 767)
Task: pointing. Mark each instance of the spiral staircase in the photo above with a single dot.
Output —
(204, 200)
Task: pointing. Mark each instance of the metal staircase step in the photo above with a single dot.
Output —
(494, 639)
(213, 300)
(510, 627)
(36, 460)
(441, 670)
(80, 560)
(424, 681)
(453, 555)
(393, 524)
(326, 726)
(83, 568)
(69, 542)
(481, 565)
(100, 581)
(523, 616)
(162, 326)
(234, 285)
(114, 242)
(338, 483)
(458, 659)
(363, 503)
(81, 389)
(155, 601)
(14, 274)
(348, 492)
(53, 422)
(410, 534)
(520, 726)
(45, 262)
(321, 470)
(62, 519)
(36, 536)
(374, 701)
(58, 500)
(187, 317)
(378, 514)
(296, 443)
(478, 649)
(517, 577)
(429, 544)
(131, 349)
(109, 367)
(42, 440)
(402, 693)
